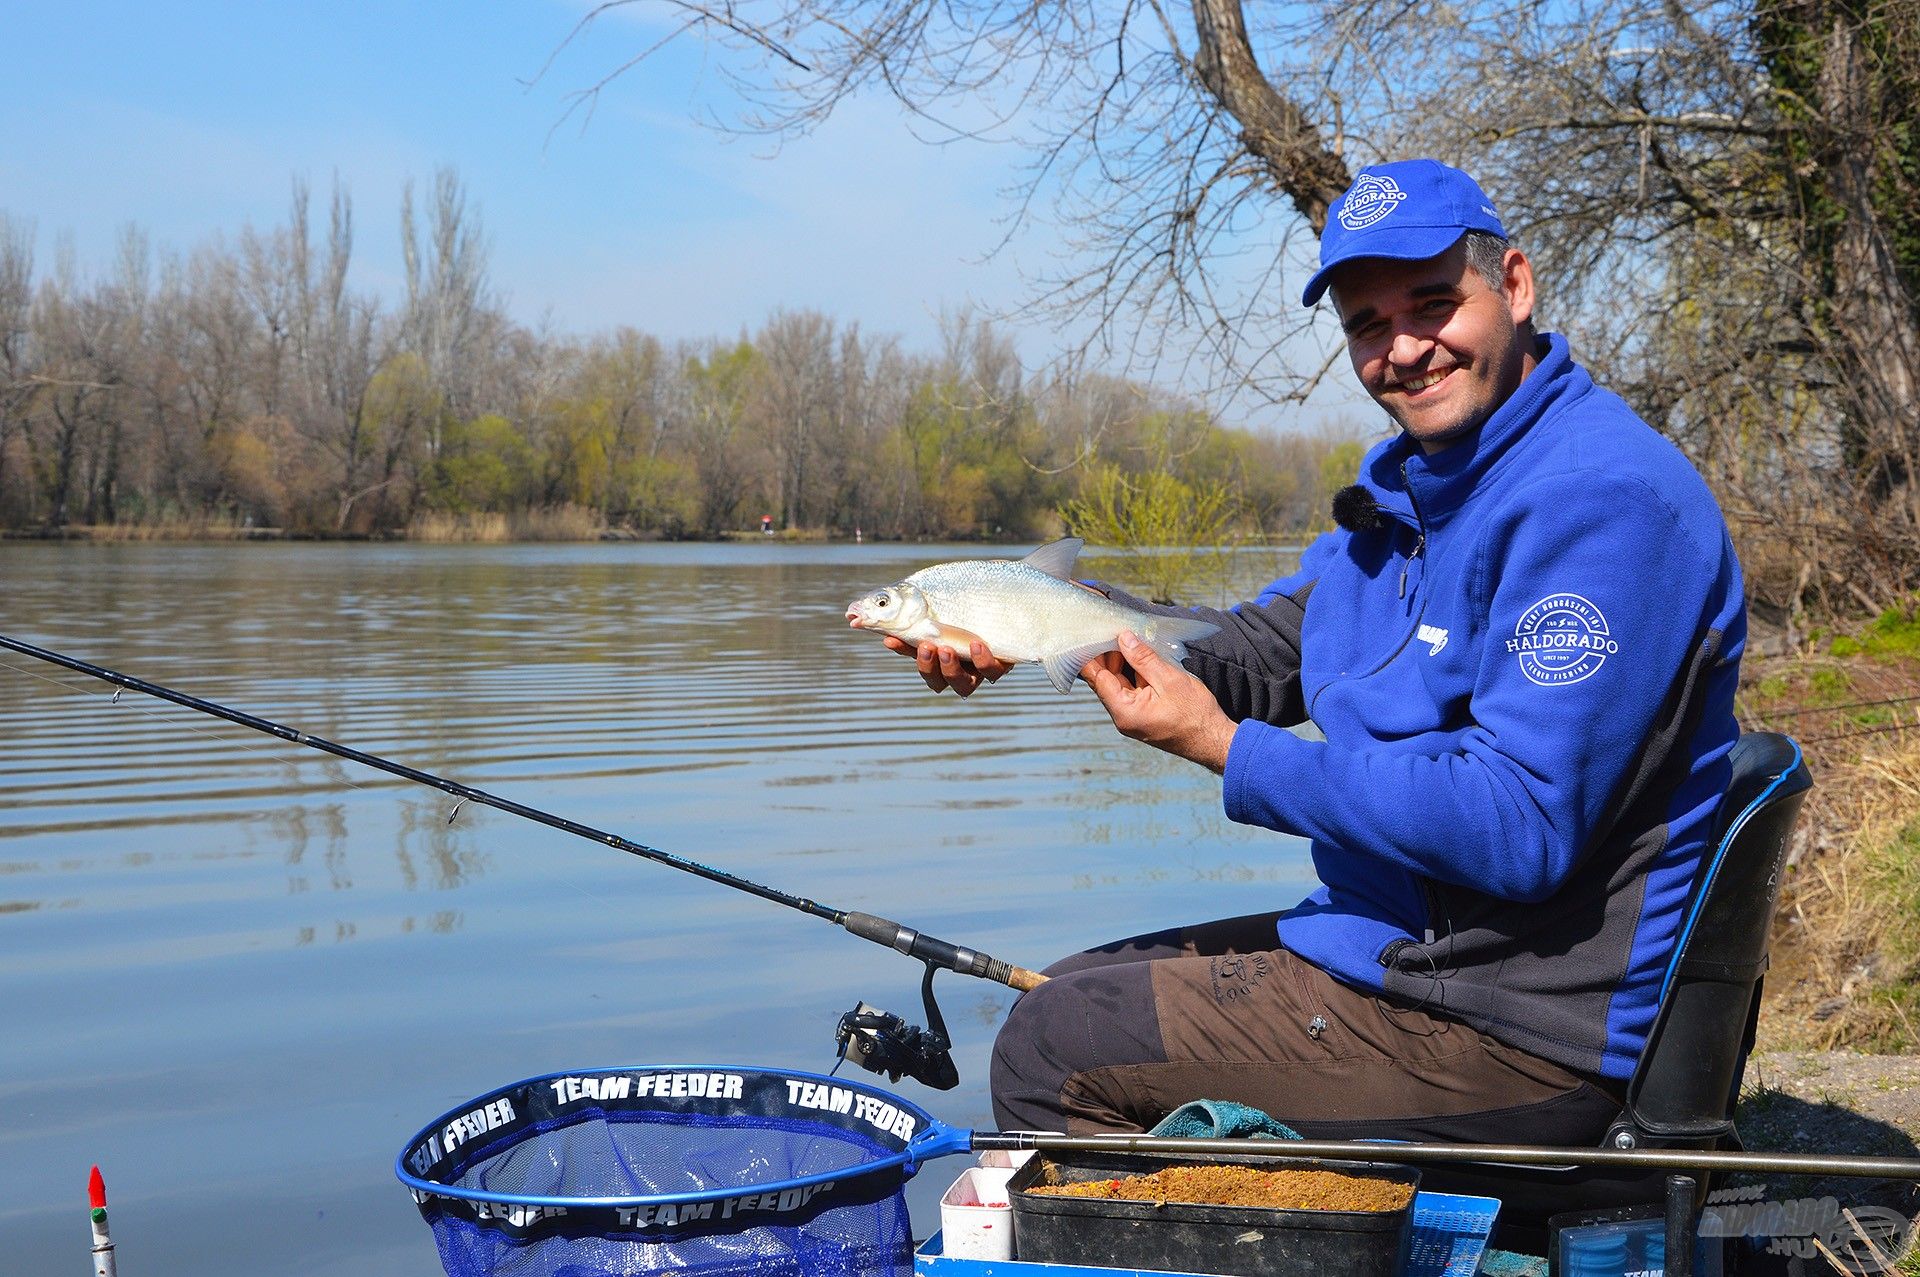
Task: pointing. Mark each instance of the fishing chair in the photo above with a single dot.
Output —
(1684, 1089)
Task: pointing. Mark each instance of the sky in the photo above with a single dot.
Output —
(193, 117)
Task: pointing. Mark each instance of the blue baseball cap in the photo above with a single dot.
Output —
(1409, 210)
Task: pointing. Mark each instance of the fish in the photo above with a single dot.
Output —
(1023, 610)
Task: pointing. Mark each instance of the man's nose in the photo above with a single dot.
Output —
(1409, 347)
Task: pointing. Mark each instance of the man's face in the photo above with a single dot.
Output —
(1432, 342)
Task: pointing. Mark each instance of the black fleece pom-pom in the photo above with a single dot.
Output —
(1355, 509)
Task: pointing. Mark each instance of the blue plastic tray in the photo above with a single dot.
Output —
(1449, 1235)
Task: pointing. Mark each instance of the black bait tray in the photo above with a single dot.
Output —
(1233, 1241)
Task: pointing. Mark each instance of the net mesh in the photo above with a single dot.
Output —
(772, 1175)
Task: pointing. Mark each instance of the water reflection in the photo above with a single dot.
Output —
(234, 963)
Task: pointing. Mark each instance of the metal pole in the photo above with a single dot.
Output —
(1545, 1157)
(1680, 1189)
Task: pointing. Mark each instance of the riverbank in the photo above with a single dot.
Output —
(1832, 1102)
(1846, 947)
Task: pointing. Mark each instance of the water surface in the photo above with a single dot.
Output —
(238, 974)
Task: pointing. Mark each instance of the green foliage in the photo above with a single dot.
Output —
(1172, 535)
(1894, 634)
(1893, 877)
(483, 465)
(1339, 468)
(1795, 40)
(969, 460)
(1829, 685)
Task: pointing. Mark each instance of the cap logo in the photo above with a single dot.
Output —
(1372, 198)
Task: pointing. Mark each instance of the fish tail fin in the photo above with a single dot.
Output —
(1171, 634)
(1063, 667)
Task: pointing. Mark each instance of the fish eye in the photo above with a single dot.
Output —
(881, 599)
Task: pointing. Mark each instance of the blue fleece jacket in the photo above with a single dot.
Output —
(1524, 672)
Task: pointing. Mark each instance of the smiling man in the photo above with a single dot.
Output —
(1520, 648)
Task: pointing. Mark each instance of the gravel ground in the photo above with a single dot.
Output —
(1834, 1102)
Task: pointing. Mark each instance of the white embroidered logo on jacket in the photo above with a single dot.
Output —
(1434, 637)
(1561, 639)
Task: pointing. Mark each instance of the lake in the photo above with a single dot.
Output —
(238, 974)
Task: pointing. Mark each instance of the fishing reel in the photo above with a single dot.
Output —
(881, 1042)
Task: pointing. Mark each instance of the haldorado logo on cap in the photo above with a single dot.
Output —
(1372, 198)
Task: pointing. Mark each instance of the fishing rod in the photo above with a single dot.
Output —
(877, 1040)
(1543, 1156)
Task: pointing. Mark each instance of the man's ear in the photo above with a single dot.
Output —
(1517, 274)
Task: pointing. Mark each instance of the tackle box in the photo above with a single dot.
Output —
(1449, 1236)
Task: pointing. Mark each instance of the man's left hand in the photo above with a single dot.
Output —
(1160, 703)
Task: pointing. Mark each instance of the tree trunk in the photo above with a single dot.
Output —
(1308, 170)
(1877, 343)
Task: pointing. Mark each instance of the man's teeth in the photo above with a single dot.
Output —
(1421, 382)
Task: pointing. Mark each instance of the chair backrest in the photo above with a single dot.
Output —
(1688, 1078)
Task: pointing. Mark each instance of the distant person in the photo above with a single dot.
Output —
(1521, 646)
(766, 524)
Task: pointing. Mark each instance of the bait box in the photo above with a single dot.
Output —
(1449, 1236)
(1233, 1241)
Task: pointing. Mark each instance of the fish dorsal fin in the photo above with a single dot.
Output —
(1056, 557)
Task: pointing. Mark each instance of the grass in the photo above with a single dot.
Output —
(1894, 633)
(1847, 938)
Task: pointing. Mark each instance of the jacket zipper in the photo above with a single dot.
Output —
(1420, 544)
(1419, 547)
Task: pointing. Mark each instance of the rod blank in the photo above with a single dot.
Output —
(1544, 1156)
(879, 930)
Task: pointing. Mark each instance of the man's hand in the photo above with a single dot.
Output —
(1160, 703)
(942, 668)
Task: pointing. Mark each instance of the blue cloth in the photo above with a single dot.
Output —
(1222, 1119)
(1507, 1263)
(1522, 655)
(1409, 209)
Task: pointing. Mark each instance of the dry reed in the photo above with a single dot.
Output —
(1846, 951)
(553, 523)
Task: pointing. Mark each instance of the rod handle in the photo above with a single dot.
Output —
(1022, 979)
(952, 957)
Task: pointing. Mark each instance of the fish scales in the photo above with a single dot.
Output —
(1025, 610)
(1028, 613)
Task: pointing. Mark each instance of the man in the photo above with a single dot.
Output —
(1521, 647)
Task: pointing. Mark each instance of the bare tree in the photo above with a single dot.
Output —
(448, 306)
(332, 342)
(1722, 194)
(86, 334)
(1153, 122)
(17, 371)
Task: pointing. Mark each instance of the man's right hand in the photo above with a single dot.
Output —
(941, 668)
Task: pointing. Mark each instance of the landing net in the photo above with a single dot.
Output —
(697, 1170)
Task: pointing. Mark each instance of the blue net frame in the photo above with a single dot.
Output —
(694, 1169)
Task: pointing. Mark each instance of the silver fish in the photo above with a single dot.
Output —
(1025, 610)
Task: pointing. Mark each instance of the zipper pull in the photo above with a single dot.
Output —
(1418, 546)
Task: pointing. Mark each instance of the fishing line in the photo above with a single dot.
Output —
(880, 1048)
(185, 724)
(1863, 731)
(341, 776)
(1829, 709)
